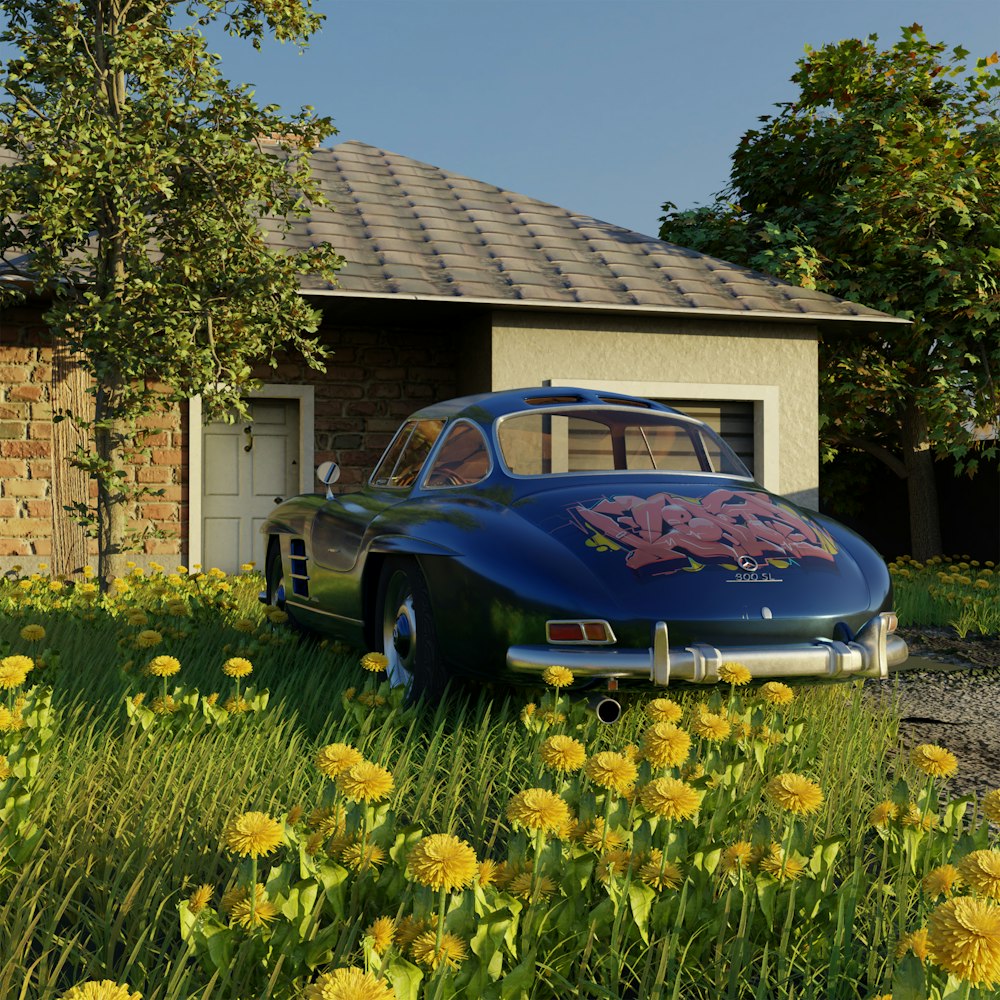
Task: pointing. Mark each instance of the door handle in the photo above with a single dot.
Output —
(248, 430)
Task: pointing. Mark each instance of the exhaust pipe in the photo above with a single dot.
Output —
(606, 709)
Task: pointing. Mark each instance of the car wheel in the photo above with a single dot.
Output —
(273, 576)
(406, 630)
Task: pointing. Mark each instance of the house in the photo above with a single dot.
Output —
(452, 286)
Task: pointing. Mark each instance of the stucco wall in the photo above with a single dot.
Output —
(528, 350)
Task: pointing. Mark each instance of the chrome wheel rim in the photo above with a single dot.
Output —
(399, 632)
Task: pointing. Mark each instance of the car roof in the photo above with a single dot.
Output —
(486, 407)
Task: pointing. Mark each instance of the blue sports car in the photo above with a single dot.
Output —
(502, 533)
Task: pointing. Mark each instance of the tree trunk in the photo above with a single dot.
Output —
(112, 517)
(70, 484)
(921, 487)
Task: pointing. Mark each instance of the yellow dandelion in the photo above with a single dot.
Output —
(14, 670)
(934, 760)
(442, 861)
(252, 834)
(663, 710)
(452, 951)
(883, 813)
(372, 699)
(563, 753)
(365, 782)
(914, 816)
(522, 884)
(33, 633)
(916, 942)
(148, 638)
(794, 793)
(734, 673)
(613, 864)
(692, 771)
(200, 898)
(164, 705)
(374, 662)
(538, 809)
(488, 870)
(991, 805)
(595, 837)
(163, 666)
(328, 820)
(337, 757)
(775, 864)
(236, 706)
(263, 911)
(941, 881)
(106, 989)
(360, 857)
(712, 727)
(776, 693)
(5, 771)
(736, 857)
(611, 770)
(315, 842)
(237, 666)
(276, 616)
(965, 939)
(980, 871)
(408, 929)
(664, 745)
(557, 677)
(659, 874)
(670, 798)
(245, 625)
(381, 933)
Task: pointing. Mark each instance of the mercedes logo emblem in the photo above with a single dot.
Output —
(748, 563)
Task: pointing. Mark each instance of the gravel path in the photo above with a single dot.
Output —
(950, 695)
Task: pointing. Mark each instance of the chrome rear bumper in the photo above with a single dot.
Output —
(869, 654)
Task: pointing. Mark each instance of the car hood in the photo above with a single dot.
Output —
(702, 550)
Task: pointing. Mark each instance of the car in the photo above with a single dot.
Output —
(506, 532)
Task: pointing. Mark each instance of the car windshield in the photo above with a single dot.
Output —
(608, 439)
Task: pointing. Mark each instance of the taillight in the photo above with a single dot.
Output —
(586, 631)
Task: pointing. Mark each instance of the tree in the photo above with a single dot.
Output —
(137, 206)
(880, 183)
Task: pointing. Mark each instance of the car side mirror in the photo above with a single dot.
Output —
(328, 473)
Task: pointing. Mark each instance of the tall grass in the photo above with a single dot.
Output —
(133, 811)
(949, 590)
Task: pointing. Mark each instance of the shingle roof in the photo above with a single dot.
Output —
(412, 230)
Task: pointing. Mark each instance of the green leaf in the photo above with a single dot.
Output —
(908, 981)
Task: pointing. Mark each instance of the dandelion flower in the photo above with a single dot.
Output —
(442, 861)
(106, 989)
(164, 705)
(991, 805)
(663, 710)
(5, 770)
(360, 857)
(563, 753)
(883, 813)
(375, 663)
(611, 770)
(409, 929)
(452, 951)
(934, 760)
(980, 870)
(148, 638)
(237, 666)
(664, 745)
(914, 816)
(916, 942)
(32, 633)
(337, 757)
(670, 798)
(712, 727)
(774, 864)
(659, 874)
(236, 903)
(276, 616)
(734, 673)
(245, 625)
(776, 693)
(736, 857)
(14, 670)
(557, 677)
(488, 869)
(328, 820)
(236, 706)
(381, 933)
(200, 898)
(524, 883)
(538, 809)
(252, 834)
(941, 881)
(613, 864)
(163, 666)
(794, 793)
(365, 782)
(965, 939)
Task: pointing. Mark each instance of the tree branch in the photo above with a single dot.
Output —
(878, 451)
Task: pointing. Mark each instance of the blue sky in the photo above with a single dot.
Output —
(607, 108)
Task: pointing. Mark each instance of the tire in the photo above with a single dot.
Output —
(405, 629)
(273, 576)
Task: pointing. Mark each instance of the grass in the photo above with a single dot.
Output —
(114, 814)
(950, 590)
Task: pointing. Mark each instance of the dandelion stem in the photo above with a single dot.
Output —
(253, 888)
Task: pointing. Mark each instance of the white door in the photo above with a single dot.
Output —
(246, 468)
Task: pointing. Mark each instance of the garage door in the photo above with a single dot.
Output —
(732, 419)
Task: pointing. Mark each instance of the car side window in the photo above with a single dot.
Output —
(462, 459)
(403, 459)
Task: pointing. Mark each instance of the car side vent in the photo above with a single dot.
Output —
(299, 568)
(551, 400)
